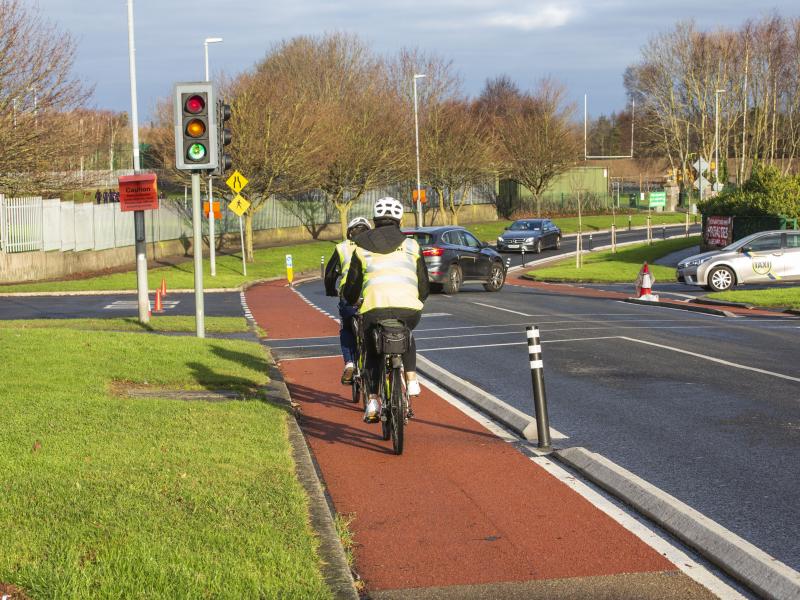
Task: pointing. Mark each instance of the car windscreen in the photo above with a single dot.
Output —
(525, 226)
(423, 239)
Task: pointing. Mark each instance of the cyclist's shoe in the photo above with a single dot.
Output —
(347, 374)
(371, 415)
(413, 387)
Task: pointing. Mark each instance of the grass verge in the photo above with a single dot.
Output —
(620, 267)
(158, 324)
(269, 262)
(783, 297)
(115, 497)
(488, 232)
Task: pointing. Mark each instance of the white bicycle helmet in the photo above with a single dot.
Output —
(388, 207)
(358, 222)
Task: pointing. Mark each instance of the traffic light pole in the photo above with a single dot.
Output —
(197, 248)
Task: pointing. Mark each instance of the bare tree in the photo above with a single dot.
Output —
(37, 89)
(536, 140)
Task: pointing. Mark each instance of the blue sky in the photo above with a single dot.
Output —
(584, 43)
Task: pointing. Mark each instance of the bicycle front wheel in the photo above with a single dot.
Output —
(385, 395)
(397, 410)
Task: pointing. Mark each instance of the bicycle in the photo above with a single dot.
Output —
(392, 339)
(360, 383)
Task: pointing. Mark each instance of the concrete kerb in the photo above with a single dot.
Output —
(335, 569)
(679, 306)
(741, 559)
(512, 418)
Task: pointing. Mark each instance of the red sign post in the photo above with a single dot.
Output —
(138, 192)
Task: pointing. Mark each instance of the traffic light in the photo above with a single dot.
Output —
(196, 132)
(224, 138)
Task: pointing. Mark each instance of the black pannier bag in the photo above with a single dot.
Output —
(391, 337)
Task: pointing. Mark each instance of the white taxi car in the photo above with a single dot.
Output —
(764, 257)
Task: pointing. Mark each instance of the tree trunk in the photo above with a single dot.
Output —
(248, 237)
(442, 207)
(344, 212)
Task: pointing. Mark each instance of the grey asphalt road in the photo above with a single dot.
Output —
(222, 304)
(707, 408)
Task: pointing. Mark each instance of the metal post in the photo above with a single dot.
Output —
(522, 252)
(613, 239)
(138, 216)
(686, 226)
(629, 223)
(591, 243)
(416, 138)
(241, 237)
(649, 231)
(197, 217)
(663, 232)
(537, 380)
(212, 251)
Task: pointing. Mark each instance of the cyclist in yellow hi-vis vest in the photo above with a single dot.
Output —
(388, 270)
(337, 269)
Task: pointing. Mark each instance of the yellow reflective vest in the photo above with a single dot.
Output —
(390, 280)
(345, 251)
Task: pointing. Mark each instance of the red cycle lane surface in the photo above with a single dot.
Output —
(460, 506)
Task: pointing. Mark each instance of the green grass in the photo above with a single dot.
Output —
(620, 267)
(157, 324)
(104, 496)
(269, 262)
(489, 232)
(784, 297)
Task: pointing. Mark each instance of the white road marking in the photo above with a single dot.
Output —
(712, 359)
(525, 343)
(133, 304)
(429, 315)
(516, 312)
(647, 534)
(311, 357)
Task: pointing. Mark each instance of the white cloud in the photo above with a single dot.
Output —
(548, 16)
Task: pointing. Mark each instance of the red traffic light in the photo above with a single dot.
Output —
(194, 104)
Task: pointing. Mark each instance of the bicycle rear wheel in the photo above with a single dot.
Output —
(396, 410)
(385, 396)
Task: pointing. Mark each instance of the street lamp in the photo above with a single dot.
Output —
(416, 137)
(211, 249)
(716, 138)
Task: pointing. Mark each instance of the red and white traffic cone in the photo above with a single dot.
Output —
(644, 285)
(163, 287)
(158, 307)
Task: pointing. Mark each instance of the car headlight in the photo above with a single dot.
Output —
(529, 240)
(694, 263)
(499, 240)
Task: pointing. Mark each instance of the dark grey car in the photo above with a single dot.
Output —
(454, 256)
(530, 235)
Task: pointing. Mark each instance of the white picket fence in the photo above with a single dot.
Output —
(33, 223)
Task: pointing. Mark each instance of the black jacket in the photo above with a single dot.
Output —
(382, 240)
(332, 271)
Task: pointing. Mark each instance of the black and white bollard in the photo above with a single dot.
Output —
(523, 256)
(537, 379)
(591, 243)
(663, 232)
(629, 222)
(322, 267)
(508, 263)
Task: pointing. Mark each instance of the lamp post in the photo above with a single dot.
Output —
(416, 137)
(143, 301)
(716, 138)
(211, 249)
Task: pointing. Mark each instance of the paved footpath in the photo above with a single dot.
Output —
(462, 513)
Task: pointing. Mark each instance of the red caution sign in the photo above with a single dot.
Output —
(138, 192)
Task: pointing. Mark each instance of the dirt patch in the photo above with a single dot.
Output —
(12, 592)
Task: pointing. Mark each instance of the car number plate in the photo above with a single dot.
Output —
(513, 245)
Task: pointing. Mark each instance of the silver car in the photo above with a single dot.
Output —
(764, 257)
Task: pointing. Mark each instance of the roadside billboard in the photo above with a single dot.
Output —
(718, 231)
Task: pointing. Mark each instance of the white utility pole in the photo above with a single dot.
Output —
(716, 138)
(212, 252)
(420, 223)
(138, 215)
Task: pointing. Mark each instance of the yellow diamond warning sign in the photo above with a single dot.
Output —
(239, 205)
(237, 181)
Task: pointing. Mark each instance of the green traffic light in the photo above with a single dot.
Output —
(196, 152)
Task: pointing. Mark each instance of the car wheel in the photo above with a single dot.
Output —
(537, 247)
(497, 278)
(454, 279)
(558, 242)
(721, 279)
